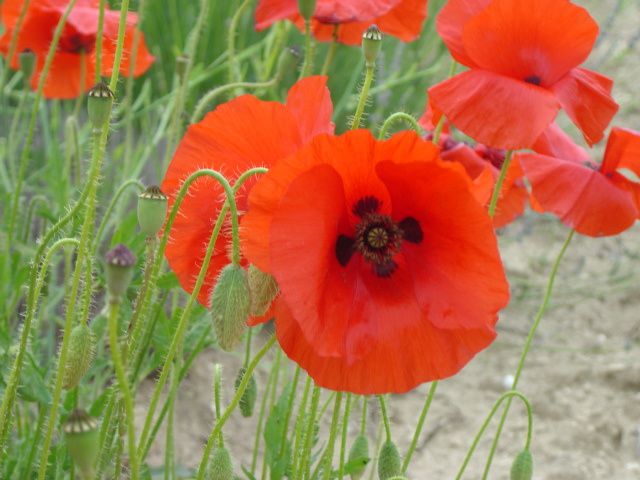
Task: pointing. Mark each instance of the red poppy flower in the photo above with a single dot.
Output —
(241, 134)
(77, 42)
(388, 267)
(595, 200)
(399, 18)
(523, 58)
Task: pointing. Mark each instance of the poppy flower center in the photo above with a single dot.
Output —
(533, 80)
(378, 238)
(76, 42)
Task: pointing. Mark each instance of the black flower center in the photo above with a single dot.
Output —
(76, 42)
(533, 79)
(378, 238)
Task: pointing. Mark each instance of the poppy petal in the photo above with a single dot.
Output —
(554, 142)
(490, 108)
(451, 22)
(64, 76)
(270, 11)
(309, 101)
(623, 151)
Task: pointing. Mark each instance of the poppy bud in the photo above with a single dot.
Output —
(371, 44)
(359, 453)
(81, 352)
(27, 61)
(119, 269)
(182, 63)
(306, 8)
(522, 468)
(248, 399)
(152, 210)
(263, 288)
(230, 306)
(220, 465)
(81, 433)
(99, 104)
(389, 463)
(288, 61)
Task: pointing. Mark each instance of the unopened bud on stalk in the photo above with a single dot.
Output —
(99, 104)
(359, 456)
(248, 399)
(120, 263)
(522, 468)
(263, 288)
(220, 465)
(389, 463)
(152, 210)
(182, 64)
(81, 433)
(27, 60)
(371, 45)
(82, 345)
(306, 8)
(288, 61)
(230, 306)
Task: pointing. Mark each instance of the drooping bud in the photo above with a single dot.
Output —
(359, 456)
(522, 468)
(27, 60)
(389, 463)
(248, 398)
(230, 306)
(82, 345)
(152, 210)
(99, 104)
(220, 465)
(371, 45)
(263, 288)
(81, 433)
(182, 65)
(288, 61)
(306, 8)
(119, 269)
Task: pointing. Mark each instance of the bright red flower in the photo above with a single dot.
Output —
(388, 267)
(523, 58)
(595, 200)
(79, 35)
(399, 18)
(241, 134)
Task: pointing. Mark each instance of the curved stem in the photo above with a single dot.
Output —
(416, 435)
(385, 416)
(508, 395)
(364, 95)
(217, 429)
(399, 116)
(497, 189)
(234, 74)
(527, 347)
(32, 206)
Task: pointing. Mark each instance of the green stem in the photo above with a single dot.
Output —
(363, 420)
(107, 432)
(438, 131)
(308, 435)
(527, 347)
(32, 206)
(343, 440)
(385, 416)
(399, 116)
(13, 44)
(309, 50)
(508, 395)
(364, 95)
(333, 433)
(234, 74)
(416, 435)
(15, 123)
(83, 82)
(217, 394)
(298, 430)
(498, 187)
(99, 41)
(331, 53)
(287, 418)
(261, 417)
(217, 429)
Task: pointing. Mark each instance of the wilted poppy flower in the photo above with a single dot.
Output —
(77, 44)
(399, 18)
(241, 134)
(523, 58)
(595, 200)
(388, 267)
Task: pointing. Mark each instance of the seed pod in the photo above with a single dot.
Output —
(263, 288)
(99, 104)
(248, 399)
(27, 60)
(359, 453)
(230, 306)
(220, 465)
(152, 210)
(522, 468)
(288, 62)
(389, 463)
(371, 44)
(306, 8)
(119, 268)
(82, 345)
(81, 433)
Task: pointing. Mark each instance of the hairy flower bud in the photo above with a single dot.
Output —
(82, 345)
(248, 399)
(27, 61)
(152, 210)
(220, 465)
(306, 8)
(119, 269)
(288, 61)
(359, 456)
(99, 104)
(371, 44)
(389, 463)
(230, 306)
(263, 288)
(522, 468)
(81, 433)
